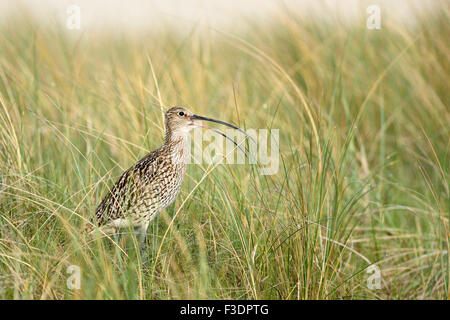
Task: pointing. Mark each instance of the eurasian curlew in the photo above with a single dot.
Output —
(152, 183)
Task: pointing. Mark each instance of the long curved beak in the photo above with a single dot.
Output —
(196, 117)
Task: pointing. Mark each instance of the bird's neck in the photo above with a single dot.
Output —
(176, 136)
(177, 144)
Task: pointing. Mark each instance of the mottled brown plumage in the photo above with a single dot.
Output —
(153, 182)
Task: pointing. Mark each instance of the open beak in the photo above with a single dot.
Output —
(196, 117)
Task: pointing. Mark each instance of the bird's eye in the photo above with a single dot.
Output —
(181, 113)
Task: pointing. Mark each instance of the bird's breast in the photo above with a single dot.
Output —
(170, 184)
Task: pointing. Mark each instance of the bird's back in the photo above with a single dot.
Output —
(143, 190)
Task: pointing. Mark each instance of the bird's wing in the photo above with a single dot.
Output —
(128, 189)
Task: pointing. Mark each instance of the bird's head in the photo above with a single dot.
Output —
(180, 120)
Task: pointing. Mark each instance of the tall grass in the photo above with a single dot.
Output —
(364, 156)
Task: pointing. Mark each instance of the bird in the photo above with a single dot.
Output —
(153, 182)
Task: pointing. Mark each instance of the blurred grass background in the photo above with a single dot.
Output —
(364, 146)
